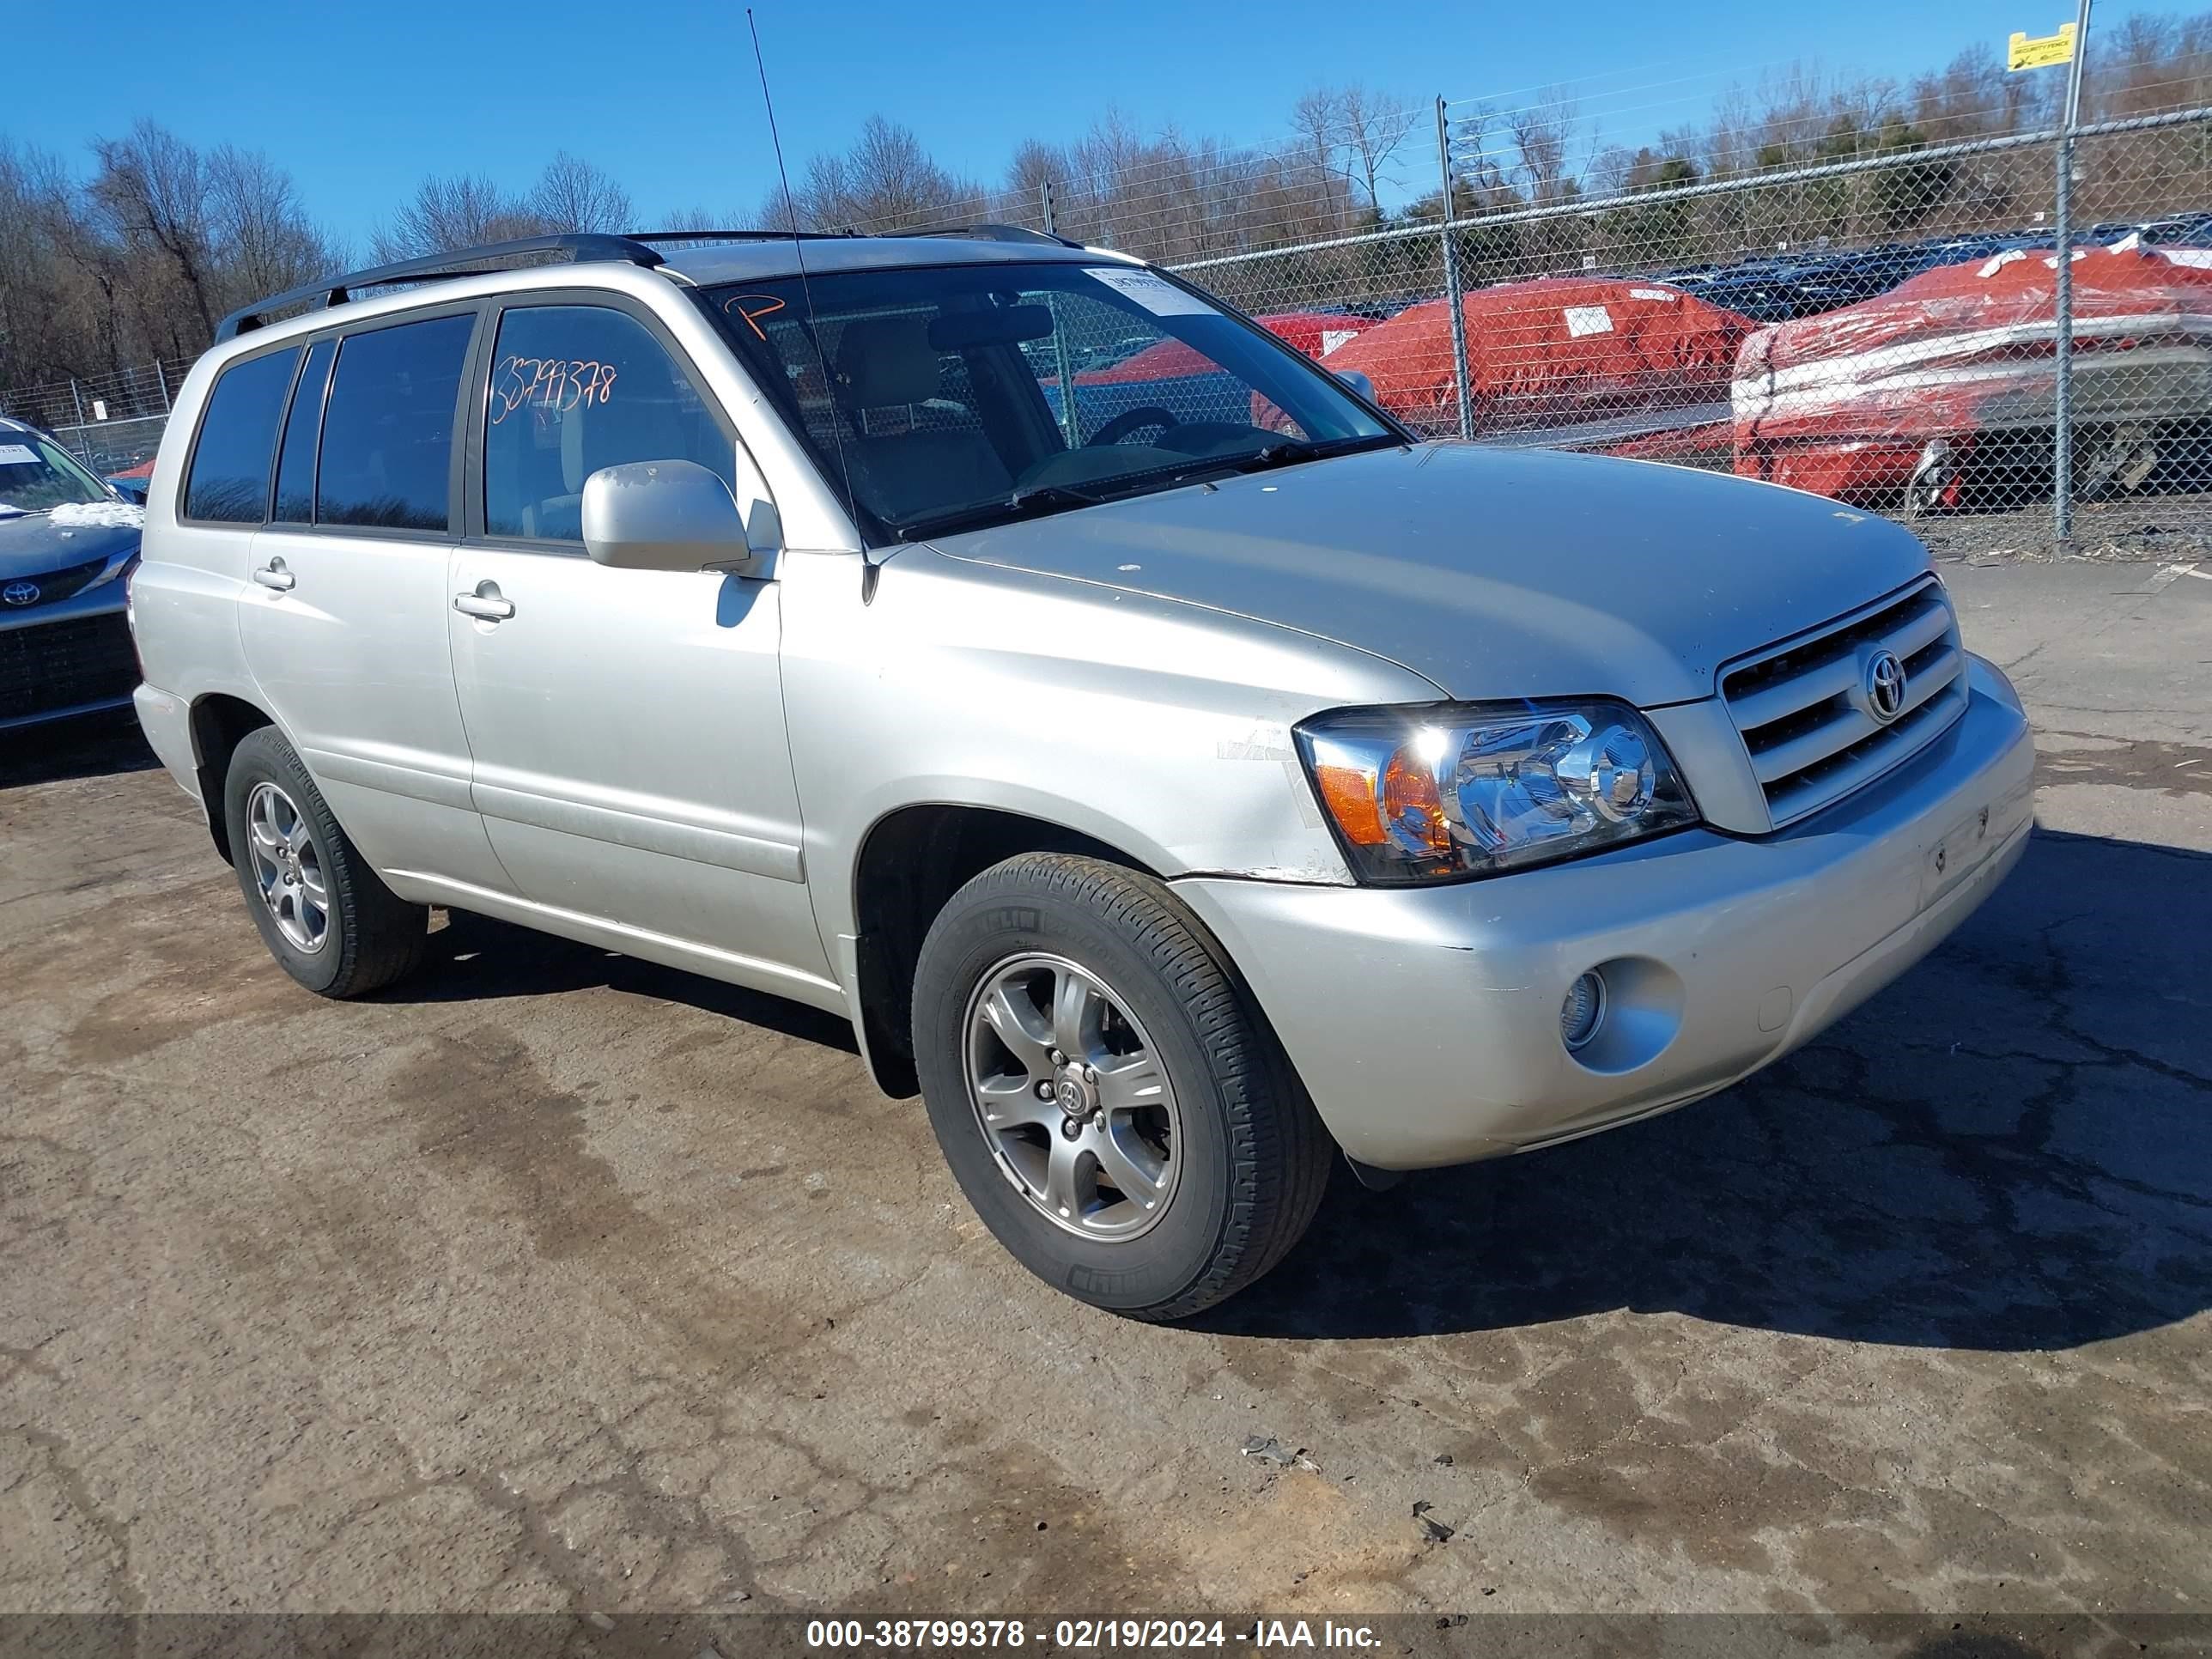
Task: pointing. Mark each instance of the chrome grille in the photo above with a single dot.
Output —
(1803, 711)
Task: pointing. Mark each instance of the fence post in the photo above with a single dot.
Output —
(78, 402)
(1462, 387)
(2062, 211)
(1051, 219)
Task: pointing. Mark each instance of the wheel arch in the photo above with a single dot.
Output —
(911, 860)
(220, 722)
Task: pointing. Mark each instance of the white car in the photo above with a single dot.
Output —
(1170, 804)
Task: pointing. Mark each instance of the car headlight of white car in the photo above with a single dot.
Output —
(1452, 790)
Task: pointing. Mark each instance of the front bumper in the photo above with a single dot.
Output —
(1425, 1022)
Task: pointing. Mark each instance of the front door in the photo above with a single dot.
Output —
(626, 727)
(344, 624)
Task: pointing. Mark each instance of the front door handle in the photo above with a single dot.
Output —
(485, 604)
(276, 576)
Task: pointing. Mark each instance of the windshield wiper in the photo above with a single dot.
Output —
(1022, 504)
(1288, 451)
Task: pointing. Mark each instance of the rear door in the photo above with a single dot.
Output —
(345, 622)
(626, 727)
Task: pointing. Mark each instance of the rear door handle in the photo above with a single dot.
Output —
(485, 604)
(274, 574)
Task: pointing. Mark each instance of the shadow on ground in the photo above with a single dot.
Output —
(476, 958)
(91, 745)
(2009, 1149)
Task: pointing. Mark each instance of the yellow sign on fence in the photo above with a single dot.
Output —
(2029, 51)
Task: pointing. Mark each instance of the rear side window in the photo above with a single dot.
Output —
(575, 388)
(295, 463)
(388, 427)
(229, 480)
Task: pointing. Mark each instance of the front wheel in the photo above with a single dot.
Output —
(1105, 1096)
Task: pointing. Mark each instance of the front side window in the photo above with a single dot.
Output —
(946, 398)
(388, 445)
(575, 388)
(229, 479)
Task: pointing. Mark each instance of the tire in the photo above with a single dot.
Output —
(1246, 1157)
(368, 936)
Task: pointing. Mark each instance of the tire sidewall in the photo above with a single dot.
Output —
(263, 756)
(973, 936)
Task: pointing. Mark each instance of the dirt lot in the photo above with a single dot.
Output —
(553, 1280)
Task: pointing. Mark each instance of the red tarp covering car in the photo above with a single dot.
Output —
(1597, 352)
(1945, 385)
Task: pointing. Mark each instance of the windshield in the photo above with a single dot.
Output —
(950, 397)
(37, 475)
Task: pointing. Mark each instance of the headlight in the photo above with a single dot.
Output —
(1463, 789)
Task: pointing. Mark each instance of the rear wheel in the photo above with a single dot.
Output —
(1107, 1098)
(327, 917)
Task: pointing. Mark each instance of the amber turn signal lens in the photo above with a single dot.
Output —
(1403, 810)
(1348, 792)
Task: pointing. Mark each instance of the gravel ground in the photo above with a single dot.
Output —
(2164, 528)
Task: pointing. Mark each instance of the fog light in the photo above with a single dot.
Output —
(1585, 1007)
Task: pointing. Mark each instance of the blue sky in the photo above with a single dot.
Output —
(359, 101)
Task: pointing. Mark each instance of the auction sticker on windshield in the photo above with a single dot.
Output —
(1160, 297)
(12, 454)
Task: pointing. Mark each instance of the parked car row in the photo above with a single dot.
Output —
(1786, 287)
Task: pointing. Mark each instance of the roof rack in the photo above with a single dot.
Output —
(577, 246)
(741, 235)
(459, 261)
(991, 232)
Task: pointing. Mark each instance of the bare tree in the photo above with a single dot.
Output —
(154, 189)
(264, 239)
(1374, 128)
(574, 195)
(60, 277)
(1543, 135)
(459, 212)
(886, 182)
(1317, 119)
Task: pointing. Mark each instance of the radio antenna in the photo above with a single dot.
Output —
(798, 252)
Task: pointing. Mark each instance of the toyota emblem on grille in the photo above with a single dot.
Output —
(20, 593)
(1883, 685)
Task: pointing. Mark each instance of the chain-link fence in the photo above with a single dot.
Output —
(1885, 329)
(113, 422)
(1867, 302)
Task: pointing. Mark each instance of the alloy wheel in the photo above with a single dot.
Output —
(1072, 1097)
(287, 867)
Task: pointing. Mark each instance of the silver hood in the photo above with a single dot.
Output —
(1493, 573)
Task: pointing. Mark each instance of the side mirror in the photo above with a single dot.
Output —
(664, 515)
(1356, 380)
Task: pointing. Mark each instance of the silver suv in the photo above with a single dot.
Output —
(1174, 780)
